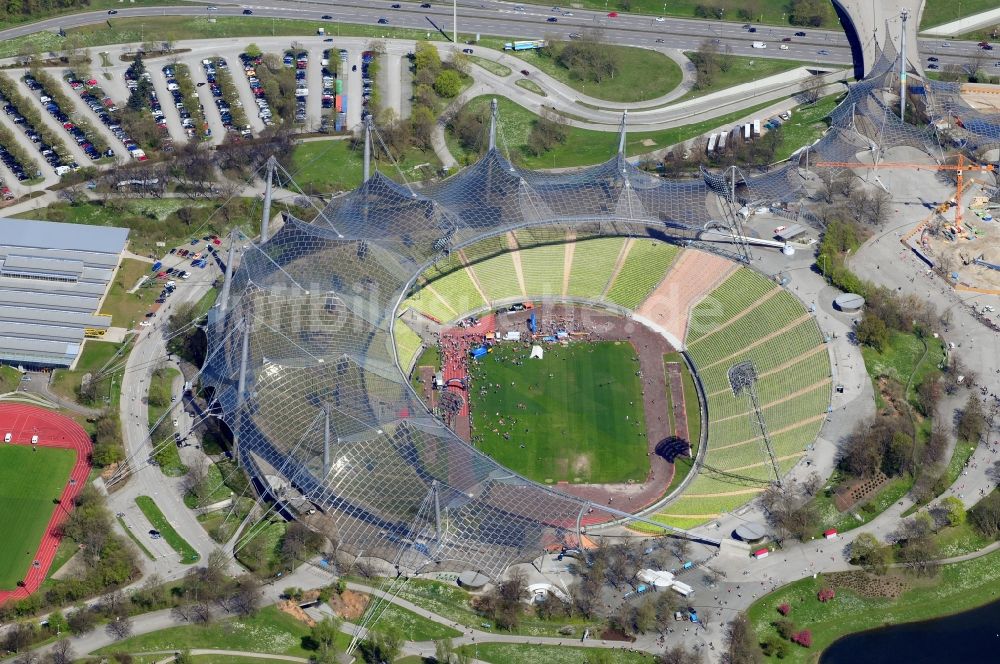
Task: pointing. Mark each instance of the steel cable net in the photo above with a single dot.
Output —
(969, 127)
(324, 405)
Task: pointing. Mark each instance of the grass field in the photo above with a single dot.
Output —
(937, 12)
(160, 388)
(744, 70)
(582, 147)
(957, 587)
(9, 379)
(29, 481)
(511, 653)
(582, 416)
(270, 632)
(127, 309)
(642, 74)
(177, 543)
(333, 165)
(93, 357)
(806, 125)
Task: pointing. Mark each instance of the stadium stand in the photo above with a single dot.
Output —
(494, 271)
(773, 330)
(407, 344)
(643, 268)
(543, 268)
(694, 274)
(736, 295)
(593, 266)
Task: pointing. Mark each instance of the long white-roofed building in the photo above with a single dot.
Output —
(53, 279)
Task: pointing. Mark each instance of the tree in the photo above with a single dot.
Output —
(81, 621)
(985, 515)
(872, 331)
(972, 420)
(586, 58)
(62, 652)
(929, 393)
(120, 628)
(679, 655)
(866, 551)
(324, 636)
(253, 50)
(448, 83)
(742, 644)
(444, 651)
(384, 643)
(810, 89)
(547, 132)
(954, 510)
(707, 64)
(426, 57)
(809, 12)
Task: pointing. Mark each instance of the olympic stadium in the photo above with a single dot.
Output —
(311, 346)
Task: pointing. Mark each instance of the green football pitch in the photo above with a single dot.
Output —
(29, 481)
(577, 412)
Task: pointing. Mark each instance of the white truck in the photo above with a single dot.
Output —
(759, 44)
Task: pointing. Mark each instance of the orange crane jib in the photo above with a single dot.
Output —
(960, 169)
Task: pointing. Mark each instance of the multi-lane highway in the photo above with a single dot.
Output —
(505, 19)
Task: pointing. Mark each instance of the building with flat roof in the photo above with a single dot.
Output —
(53, 279)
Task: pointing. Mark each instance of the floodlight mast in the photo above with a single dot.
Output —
(494, 113)
(902, 65)
(228, 279)
(368, 147)
(266, 218)
(622, 133)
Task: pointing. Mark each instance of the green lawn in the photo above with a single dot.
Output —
(10, 378)
(582, 147)
(491, 66)
(582, 419)
(957, 587)
(332, 165)
(899, 360)
(127, 309)
(642, 74)
(937, 12)
(41, 11)
(160, 389)
(135, 538)
(270, 532)
(744, 70)
(29, 481)
(806, 125)
(449, 601)
(530, 86)
(270, 632)
(159, 521)
(415, 627)
(511, 653)
(94, 356)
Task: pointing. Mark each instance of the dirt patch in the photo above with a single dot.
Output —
(615, 635)
(292, 608)
(869, 585)
(350, 605)
(859, 491)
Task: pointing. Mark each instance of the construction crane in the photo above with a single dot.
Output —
(959, 169)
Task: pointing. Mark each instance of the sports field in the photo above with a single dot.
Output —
(29, 481)
(574, 416)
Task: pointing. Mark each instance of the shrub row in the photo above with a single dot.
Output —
(31, 113)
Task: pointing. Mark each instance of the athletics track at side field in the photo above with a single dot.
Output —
(53, 430)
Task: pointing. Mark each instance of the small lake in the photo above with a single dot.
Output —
(964, 638)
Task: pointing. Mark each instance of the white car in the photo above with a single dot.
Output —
(144, 323)
(7, 437)
(175, 423)
(660, 19)
(783, 47)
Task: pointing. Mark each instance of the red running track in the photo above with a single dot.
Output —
(53, 430)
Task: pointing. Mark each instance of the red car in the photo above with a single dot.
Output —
(613, 15)
(216, 241)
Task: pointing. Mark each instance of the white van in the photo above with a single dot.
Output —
(34, 439)
(62, 170)
(759, 45)
(7, 437)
